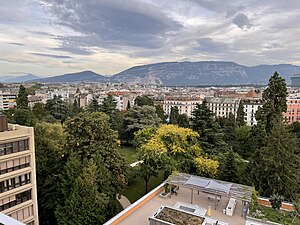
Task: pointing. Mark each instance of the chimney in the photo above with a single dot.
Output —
(3, 123)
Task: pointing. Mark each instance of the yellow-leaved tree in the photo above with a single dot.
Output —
(170, 148)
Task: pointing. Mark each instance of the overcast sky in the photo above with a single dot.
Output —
(52, 37)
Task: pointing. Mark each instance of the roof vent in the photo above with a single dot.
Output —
(3, 123)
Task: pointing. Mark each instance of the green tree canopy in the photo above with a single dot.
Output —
(57, 109)
(240, 118)
(22, 98)
(143, 100)
(211, 135)
(274, 98)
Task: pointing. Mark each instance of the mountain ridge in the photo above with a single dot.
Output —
(185, 73)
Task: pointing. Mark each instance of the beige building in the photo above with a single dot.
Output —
(185, 105)
(18, 196)
(221, 107)
(7, 100)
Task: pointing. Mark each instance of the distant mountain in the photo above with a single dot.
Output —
(84, 76)
(186, 73)
(203, 73)
(21, 79)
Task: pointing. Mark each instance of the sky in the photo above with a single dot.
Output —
(53, 37)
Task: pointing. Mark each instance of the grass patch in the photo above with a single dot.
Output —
(129, 153)
(272, 215)
(136, 188)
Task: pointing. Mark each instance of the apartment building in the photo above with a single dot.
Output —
(124, 99)
(18, 196)
(221, 107)
(185, 105)
(7, 100)
(250, 108)
(293, 110)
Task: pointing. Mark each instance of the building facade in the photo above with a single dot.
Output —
(250, 108)
(293, 110)
(221, 107)
(7, 100)
(18, 196)
(185, 105)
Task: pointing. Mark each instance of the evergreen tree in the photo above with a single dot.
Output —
(279, 165)
(22, 98)
(160, 113)
(211, 135)
(229, 130)
(93, 208)
(183, 121)
(57, 109)
(229, 168)
(274, 98)
(93, 106)
(38, 111)
(240, 118)
(174, 115)
(143, 100)
(138, 118)
(108, 105)
(128, 105)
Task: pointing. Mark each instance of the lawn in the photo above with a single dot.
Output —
(282, 217)
(136, 188)
(129, 153)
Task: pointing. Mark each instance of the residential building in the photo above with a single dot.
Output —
(18, 196)
(7, 100)
(185, 105)
(124, 99)
(250, 108)
(293, 110)
(221, 107)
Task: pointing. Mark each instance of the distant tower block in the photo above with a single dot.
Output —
(295, 80)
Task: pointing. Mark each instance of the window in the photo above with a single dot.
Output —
(15, 182)
(13, 147)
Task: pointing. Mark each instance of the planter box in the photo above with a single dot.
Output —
(165, 196)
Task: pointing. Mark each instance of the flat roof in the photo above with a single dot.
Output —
(213, 186)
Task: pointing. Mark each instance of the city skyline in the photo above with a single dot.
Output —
(56, 37)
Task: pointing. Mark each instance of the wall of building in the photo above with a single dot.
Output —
(18, 196)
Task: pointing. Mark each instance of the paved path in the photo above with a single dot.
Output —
(124, 201)
(135, 163)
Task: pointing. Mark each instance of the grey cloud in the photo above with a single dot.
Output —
(210, 46)
(51, 55)
(15, 43)
(118, 22)
(273, 45)
(242, 21)
(73, 50)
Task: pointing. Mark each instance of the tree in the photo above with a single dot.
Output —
(143, 100)
(240, 117)
(108, 105)
(38, 111)
(274, 98)
(93, 106)
(57, 109)
(229, 130)
(24, 117)
(172, 148)
(183, 120)
(49, 147)
(229, 168)
(160, 113)
(206, 167)
(279, 165)
(139, 117)
(90, 136)
(92, 209)
(22, 98)
(243, 135)
(211, 135)
(174, 115)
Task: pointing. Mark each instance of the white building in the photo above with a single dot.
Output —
(250, 108)
(7, 100)
(185, 105)
(221, 107)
